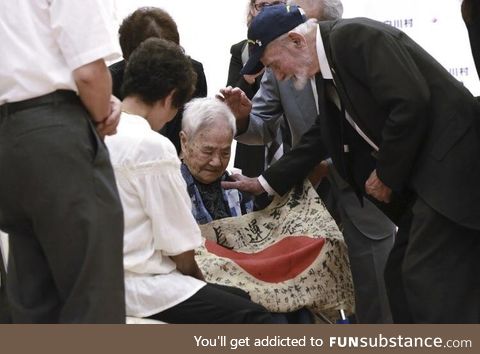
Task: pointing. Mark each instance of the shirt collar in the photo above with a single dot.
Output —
(322, 57)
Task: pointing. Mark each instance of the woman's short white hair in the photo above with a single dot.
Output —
(201, 113)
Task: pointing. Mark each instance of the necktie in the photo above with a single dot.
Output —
(274, 149)
(341, 133)
(279, 145)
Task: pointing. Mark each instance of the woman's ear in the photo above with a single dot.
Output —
(183, 141)
(168, 101)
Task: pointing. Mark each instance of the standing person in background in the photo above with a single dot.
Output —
(253, 159)
(144, 23)
(471, 17)
(368, 233)
(58, 198)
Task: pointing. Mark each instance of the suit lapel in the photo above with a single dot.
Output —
(325, 28)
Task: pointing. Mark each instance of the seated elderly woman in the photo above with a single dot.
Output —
(162, 279)
(208, 128)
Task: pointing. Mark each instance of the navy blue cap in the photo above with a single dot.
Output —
(269, 24)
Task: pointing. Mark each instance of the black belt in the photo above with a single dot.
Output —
(51, 98)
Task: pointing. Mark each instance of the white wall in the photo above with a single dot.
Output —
(209, 27)
(434, 24)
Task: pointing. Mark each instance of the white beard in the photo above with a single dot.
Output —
(299, 81)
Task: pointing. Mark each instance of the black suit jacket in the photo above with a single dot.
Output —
(172, 129)
(426, 123)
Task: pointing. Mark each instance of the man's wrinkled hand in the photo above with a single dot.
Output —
(109, 125)
(239, 104)
(244, 184)
(377, 189)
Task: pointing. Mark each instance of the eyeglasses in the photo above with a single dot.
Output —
(261, 5)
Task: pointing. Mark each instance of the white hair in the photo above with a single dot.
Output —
(326, 9)
(201, 113)
(307, 27)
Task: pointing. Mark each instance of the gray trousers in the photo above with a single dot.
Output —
(369, 235)
(368, 258)
(60, 206)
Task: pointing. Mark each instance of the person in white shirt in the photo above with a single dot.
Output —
(58, 198)
(162, 279)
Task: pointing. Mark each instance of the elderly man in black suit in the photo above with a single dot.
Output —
(401, 130)
(368, 233)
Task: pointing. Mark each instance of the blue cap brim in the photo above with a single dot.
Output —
(253, 65)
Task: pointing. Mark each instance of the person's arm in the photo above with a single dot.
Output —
(256, 119)
(109, 125)
(239, 104)
(245, 184)
(293, 167)
(296, 165)
(187, 265)
(95, 88)
(94, 84)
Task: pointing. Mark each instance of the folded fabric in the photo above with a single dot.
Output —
(288, 256)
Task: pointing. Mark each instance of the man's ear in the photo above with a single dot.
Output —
(297, 39)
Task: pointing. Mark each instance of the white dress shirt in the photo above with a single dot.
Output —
(158, 217)
(43, 41)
